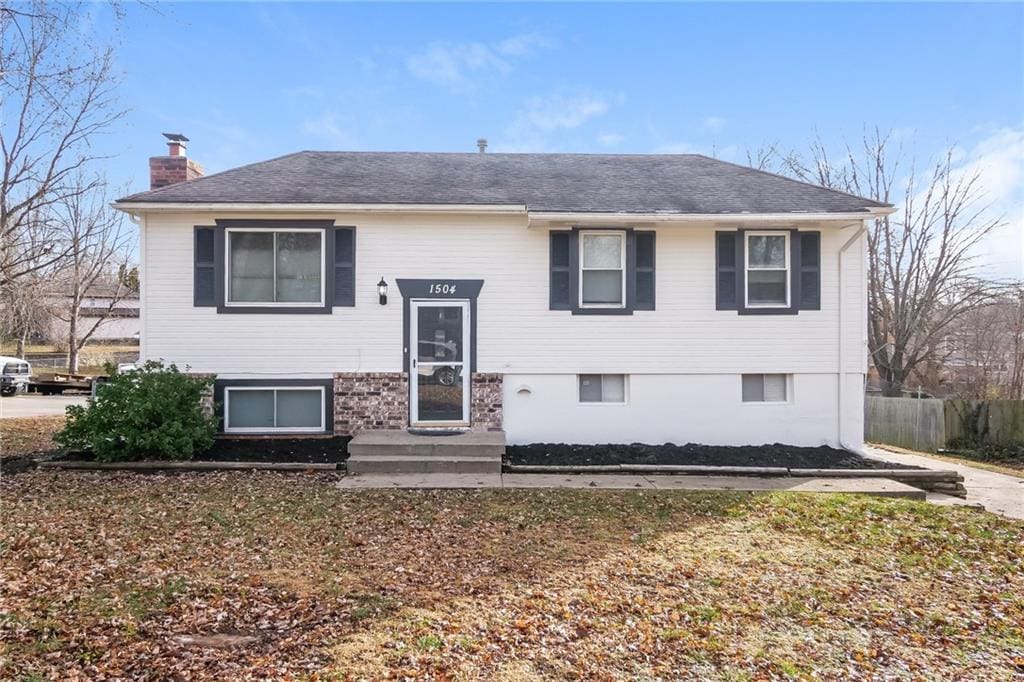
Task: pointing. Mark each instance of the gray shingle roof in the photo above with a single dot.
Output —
(620, 183)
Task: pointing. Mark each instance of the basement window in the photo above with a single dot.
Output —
(765, 388)
(602, 388)
(263, 409)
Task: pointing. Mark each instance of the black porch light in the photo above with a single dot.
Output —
(382, 291)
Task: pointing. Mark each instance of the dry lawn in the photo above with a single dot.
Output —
(107, 576)
(28, 435)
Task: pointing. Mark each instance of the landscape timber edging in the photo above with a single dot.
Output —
(932, 480)
(187, 466)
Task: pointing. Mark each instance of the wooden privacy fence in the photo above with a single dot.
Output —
(999, 422)
(912, 423)
(930, 424)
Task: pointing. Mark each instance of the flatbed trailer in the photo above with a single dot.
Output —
(58, 382)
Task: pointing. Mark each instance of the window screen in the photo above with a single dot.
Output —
(269, 409)
(764, 388)
(602, 388)
(602, 269)
(767, 270)
(275, 267)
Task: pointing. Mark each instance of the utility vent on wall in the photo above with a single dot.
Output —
(524, 390)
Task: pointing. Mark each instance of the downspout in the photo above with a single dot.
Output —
(841, 370)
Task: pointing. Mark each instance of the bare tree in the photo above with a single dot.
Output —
(982, 355)
(921, 275)
(57, 93)
(97, 256)
(25, 310)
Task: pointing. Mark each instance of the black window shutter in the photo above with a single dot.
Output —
(726, 289)
(344, 266)
(560, 286)
(204, 270)
(810, 270)
(644, 271)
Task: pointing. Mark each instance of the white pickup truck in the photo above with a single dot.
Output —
(14, 375)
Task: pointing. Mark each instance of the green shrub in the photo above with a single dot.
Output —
(154, 412)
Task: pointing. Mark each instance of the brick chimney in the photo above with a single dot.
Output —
(175, 167)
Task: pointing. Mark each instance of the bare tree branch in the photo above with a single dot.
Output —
(57, 93)
(921, 274)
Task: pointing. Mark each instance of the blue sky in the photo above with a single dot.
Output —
(251, 81)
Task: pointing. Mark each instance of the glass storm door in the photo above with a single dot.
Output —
(439, 363)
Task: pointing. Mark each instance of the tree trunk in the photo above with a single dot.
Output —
(892, 382)
(73, 343)
(20, 350)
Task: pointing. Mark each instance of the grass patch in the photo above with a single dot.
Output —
(105, 572)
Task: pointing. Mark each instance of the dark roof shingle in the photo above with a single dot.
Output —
(615, 183)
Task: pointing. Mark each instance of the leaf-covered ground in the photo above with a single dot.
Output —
(28, 435)
(288, 577)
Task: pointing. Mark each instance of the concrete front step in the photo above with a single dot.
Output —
(390, 443)
(415, 464)
(400, 452)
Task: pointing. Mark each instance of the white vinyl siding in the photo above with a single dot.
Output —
(264, 409)
(516, 332)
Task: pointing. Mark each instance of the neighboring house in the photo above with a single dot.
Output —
(559, 297)
(121, 323)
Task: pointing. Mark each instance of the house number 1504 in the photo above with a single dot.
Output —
(442, 288)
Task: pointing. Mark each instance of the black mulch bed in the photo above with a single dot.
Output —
(777, 455)
(308, 450)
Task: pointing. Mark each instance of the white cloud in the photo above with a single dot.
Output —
(714, 124)
(610, 139)
(327, 128)
(524, 45)
(564, 111)
(998, 159)
(543, 117)
(453, 65)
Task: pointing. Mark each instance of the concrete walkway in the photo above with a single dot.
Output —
(998, 493)
(863, 486)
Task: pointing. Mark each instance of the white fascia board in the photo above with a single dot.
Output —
(537, 218)
(137, 207)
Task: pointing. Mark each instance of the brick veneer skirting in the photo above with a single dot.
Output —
(206, 399)
(370, 401)
(485, 402)
(380, 401)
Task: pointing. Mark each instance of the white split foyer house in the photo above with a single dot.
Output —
(566, 298)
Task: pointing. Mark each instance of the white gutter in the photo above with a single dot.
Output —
(841, 370)
(239, 207)
(538, 217)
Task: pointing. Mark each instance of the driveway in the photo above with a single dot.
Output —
(998, 493)
(36, 405)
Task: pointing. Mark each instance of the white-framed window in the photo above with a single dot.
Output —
(767, 269)
(260, 409)
(602, 388)
(765, 388)
(271, 267)
(602, 269)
